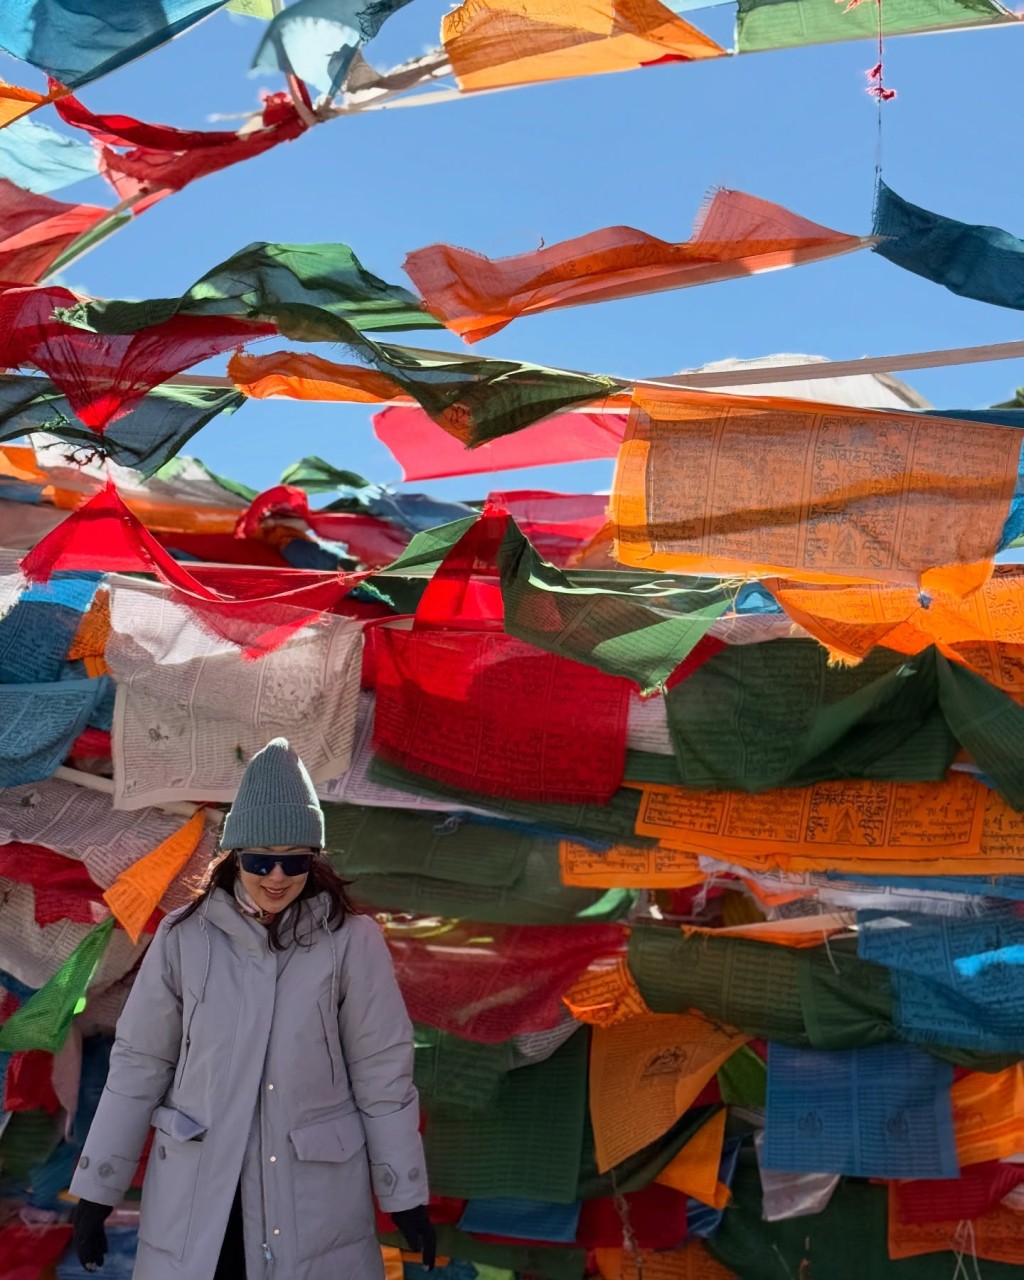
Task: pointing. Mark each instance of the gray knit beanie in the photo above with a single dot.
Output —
(276, 803)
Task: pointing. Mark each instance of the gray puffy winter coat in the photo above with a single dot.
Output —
(288, 1071)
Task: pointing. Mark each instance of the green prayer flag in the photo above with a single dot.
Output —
(760, 716)
(743, 1079)
(263, 278)
(781, 24)
(988, 723)
(426, 550)
(145, 439)
(44, 1020)
(622, 623)
(314, 475)
(528, 1144)
(847, 1240)
(616, 819)
(27, 1141)
(174, 469)
(459, 1073)
(368, 841)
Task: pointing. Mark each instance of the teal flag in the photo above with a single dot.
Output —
(37, 158)
(76, 41)
(978, 262)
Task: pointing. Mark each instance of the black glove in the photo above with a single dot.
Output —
(419, 1232)
(88, 1218)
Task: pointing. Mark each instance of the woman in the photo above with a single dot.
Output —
(266, 1042)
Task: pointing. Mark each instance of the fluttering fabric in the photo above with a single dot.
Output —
(144, 439)
(316, 40)
(492, 44)
(143, 162)
(261, 282)
(44, 1020)
(39, 159)
(104, 376)
(735, 235)
(35, 230)
(321, 293)
(837, 493)
(985, 263)
(76, 41)
(294, 375)
(16, 102)
(422, 454)
(104, 532)
(979, 1189)
(781, 24)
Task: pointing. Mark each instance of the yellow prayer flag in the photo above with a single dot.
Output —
(136, 893)
(646, 1072)
(694, 1171)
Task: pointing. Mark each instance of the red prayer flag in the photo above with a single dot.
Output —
(656, 1216)
(62, 887)
(425, 452)
(254, 608)
(979, 1189)
(35, 230)
(491, 982)
(161, 158)
(104, 376)
(463, 703)
(26, 1251)
(29, 1083)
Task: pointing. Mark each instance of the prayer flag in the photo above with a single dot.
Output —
(39, 159)
(492, 45)
(974, 261)
(44, 1020)
(137, 891)
(781, 24)
(35, 230)
(736, 235)
(75, 41)
(835, 493)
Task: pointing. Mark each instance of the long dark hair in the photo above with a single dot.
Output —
(322, 878)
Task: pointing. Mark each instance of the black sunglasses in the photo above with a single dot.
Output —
(261, 864)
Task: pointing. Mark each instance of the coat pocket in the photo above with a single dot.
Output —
(169, 1190)
(331, 1185)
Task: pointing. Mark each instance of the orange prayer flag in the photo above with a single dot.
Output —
(294, 375)
(736, 235)
(988, 1115)
(835, 493)
(16, 102)
(394, 1268)
(628, 867)
(493, 44)
(694, 1170)
(854, 824)
(90, 640)
(606, 995)
(692, 1262)
(136, 893)
(660, 1063)
(803, 931)
(997, 1235)
(852, 620)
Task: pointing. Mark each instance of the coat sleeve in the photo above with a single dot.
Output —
(377, 1040)
(142, 1062)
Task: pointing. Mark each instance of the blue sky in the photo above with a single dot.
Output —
(501, 173)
